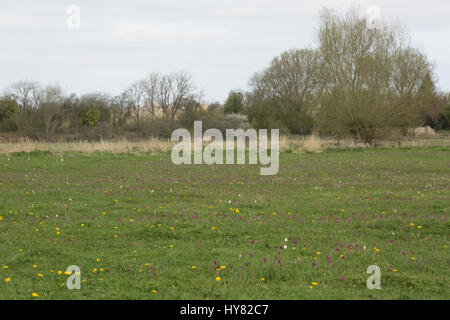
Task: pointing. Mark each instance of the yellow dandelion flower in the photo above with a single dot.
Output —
(218, 279)
(34, 295)
(7, 279)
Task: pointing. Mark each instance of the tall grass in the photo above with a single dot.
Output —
(311, 143)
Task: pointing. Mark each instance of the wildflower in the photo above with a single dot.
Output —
(218, 279)
(7, 280)
(40, 275)
(314, 283)
(153, 290)
(262, 279)
(34, 295)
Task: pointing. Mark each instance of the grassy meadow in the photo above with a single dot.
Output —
(140, 227)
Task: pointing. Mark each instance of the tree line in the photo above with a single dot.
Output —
(360, 82)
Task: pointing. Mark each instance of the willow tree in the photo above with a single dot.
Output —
(370, 77)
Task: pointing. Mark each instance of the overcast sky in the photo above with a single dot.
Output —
(221, 43)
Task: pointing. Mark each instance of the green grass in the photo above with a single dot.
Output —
(318, 202)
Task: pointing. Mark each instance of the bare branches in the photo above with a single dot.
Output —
(157, 94)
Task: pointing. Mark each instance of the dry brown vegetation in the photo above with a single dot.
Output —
(311, 143)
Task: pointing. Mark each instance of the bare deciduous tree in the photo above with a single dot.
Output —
(135, 96)
(27, 93)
